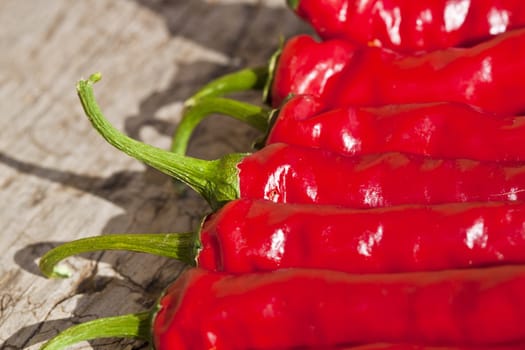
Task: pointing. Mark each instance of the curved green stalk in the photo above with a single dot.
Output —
(272, 66)
(293, 4)
(253, 115)
(180, 246)
(245, 79)
(127, 326)
(216, 180)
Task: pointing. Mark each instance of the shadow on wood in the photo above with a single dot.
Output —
(247, 34)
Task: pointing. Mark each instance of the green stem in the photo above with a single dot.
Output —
(272, 67)
(245, 79)
(293, 4)
(216, 180)
(180, 246)
(127, 326)
(253, 115)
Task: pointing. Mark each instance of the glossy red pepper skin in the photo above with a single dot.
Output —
(300, 307)
(246, 236)
(384, 346)
(290, 174)
(490, 76)
(441, 130)
(425, 347)
(307, 66)
(411, 26)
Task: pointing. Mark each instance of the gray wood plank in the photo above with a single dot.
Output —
(60, 181)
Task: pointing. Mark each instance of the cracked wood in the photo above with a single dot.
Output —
(60, 181)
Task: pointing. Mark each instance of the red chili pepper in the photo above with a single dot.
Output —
(424, 347)
(490, 76)
(441, 130)
(247, 236)
(407, 25)
(291, 174)
(288, 174)
(294, 308)
(305, 66)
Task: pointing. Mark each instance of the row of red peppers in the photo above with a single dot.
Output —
(285, 217)
(483, 81)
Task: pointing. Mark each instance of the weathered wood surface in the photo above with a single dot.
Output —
(60, 181)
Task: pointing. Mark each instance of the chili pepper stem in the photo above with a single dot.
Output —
(127, 326)
(216, 180)
(242, 80)
(180, 246)
(272, 66)
(293, 4)
(252, 115)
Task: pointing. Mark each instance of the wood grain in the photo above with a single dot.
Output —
(60, 181)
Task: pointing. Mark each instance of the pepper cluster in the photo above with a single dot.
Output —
(384, 208)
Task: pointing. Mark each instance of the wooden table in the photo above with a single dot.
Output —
(59, 180)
